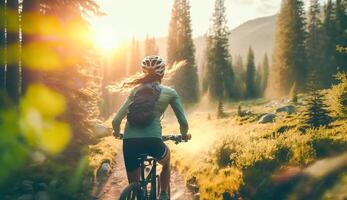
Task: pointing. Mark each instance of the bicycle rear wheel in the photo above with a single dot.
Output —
(131, 192)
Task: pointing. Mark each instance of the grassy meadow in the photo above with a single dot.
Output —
(240, 156)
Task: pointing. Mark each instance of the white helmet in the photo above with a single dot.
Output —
(153, 64)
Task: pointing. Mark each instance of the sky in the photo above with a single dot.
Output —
(127, 18)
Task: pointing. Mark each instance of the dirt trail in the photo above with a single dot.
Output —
(118, 181)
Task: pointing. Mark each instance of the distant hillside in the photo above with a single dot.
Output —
(259, 33)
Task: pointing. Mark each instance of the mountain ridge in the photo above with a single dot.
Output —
(258, 32)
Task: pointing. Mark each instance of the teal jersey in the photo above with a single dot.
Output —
(168, 96)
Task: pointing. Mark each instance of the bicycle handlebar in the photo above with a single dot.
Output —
(173, 137)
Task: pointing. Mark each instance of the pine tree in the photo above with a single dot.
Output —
(315, 43)
(172, 42)
(289, 55)
(181, 47)
(150, 46)
(13, 49)
(239, 110)
(3, 47)
(258, 80)
(240, 77)
(294, 94)
(220, 110)
(250, 75)
(219, 73)
(316, 113)
(341, 33)
(264, 73)
(329, 47)
(338, 96)
(135, 57)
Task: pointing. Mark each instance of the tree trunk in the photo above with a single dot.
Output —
(13, 68)
(2, 46)
(28, 75)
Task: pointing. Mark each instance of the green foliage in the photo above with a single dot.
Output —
(341, 34)
(14, 153)
(316, 113)
(239, 91)
(316, 44)
(251, 75)
(2, 46)
(220, 110)
(243, 158)
(41, 127)
(329, 45)
(239, 111)
(219, 75)
(289, 58)
(264, 74)
(293, 93)
(12, 40)
(338, 96)
(181, 48)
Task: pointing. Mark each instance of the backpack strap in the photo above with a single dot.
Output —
(157, 90)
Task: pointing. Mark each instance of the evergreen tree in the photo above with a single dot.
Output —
(240, 76)
(3, 47)
(220, 110)
(264, 73)
(250, 75)
(13, 68)
(289, 52)
(219, 73)
(316, 113)
(329, 47)
(172, 42)
(30, 7)
(294, 94)
(239, 68)
(181, 47)
(317, 62)
(258, 80)
(239, 110)
(341, 33)
(338, 96)
(135, 57)
(151, 46)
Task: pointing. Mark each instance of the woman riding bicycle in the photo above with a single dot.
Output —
(144, 107)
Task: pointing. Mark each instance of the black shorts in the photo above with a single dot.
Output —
(134, 147)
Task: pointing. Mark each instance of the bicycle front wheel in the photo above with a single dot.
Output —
(131, 192)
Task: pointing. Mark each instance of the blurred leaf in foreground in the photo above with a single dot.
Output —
(12, 150)
(39, 107)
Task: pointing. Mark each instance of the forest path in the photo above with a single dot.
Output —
(117, 181)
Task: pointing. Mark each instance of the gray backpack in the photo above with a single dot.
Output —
(141, 112)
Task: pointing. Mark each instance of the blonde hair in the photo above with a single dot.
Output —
(141, 78)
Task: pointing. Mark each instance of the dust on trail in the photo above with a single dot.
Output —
(117, 181)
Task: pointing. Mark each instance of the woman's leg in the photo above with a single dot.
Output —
(134, 176)
(130, 160)
(165, 172)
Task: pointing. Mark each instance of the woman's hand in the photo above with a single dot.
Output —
(116, 134)
(186, 137)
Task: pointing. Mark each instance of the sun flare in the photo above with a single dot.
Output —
(106, 39)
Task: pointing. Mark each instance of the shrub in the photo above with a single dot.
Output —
(338, 96)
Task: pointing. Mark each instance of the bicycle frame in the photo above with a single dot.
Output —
(150, 178)
(140, 189)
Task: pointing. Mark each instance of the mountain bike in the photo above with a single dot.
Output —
(148, 188)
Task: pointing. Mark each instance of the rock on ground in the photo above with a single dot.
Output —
(267, 118)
